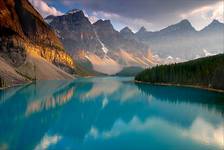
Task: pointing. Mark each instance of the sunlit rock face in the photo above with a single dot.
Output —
(59, 58)
(23, 30)
(49, 102)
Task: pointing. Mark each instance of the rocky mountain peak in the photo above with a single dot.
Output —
(126, 30)
(104, 24)
(215, 25)
(185, 21)
(74, 13)
(73, 20)
(76, 32)
(184, 24)
(127, 33)
(142, 30)
(180, 27)
(215, 21)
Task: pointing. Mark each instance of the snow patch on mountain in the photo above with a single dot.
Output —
(206, 53)
(73, 11)
(48, 21)
(104, 48)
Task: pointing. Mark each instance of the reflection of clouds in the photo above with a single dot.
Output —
(200, 131)
(49, 102)
(48, 141)
(93, 132)
(129, 92)
(104, 102)
(105, 86)
(205, 132)
(119, 128)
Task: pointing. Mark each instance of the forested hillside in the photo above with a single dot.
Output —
(208, 72)
(130, 71)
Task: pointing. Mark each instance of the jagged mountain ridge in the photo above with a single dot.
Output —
(98, 43)
(177, 42)
(76, 32)
(183, 41)
(127, 33)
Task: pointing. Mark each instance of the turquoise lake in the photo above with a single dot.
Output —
(110, 113)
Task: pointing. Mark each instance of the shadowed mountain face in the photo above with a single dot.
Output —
(109, 36)
(99, 44)
(76, 32)
(127, 33)
(23, 36)
(183, 41)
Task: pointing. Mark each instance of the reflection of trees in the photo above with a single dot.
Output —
(184, 94)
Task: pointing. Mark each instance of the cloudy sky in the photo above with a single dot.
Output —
(152, 14)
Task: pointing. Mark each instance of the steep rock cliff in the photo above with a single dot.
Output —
(23, 31)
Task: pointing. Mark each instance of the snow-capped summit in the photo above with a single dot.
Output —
(73, 11)
(179, 28)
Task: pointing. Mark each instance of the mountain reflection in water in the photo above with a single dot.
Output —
(110, 113)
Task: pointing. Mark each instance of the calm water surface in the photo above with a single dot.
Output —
(110, 114)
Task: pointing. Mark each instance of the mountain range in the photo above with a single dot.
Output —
(109, 51)
(182, 41)
(98, 44)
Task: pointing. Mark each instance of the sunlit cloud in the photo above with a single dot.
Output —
(44, 9)
(120, 21)
(200, 13)
(201, 16)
